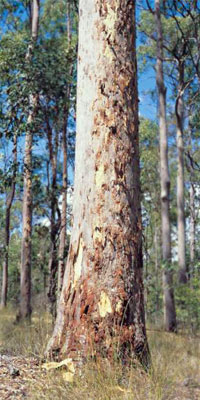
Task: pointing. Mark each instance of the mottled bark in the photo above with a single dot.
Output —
(101, 310)
(180, 178)
(169, 305)
(25, 284)
(9, 201)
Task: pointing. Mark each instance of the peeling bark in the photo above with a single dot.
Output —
(9, 201)
(169, 305)
(101, 310)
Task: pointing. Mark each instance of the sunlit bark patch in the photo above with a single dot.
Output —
(118, 307)
(104, 305)
(100, 176)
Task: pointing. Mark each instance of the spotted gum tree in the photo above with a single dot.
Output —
(101, 309)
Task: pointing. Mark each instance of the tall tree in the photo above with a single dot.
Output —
(101, 310)
(9, 201)
(54, 224)
(192, 194)
(62, 242)
(186, 19)
(25, 285)
(180, 175)
(180, 24)
(169, 305)
(192, 223)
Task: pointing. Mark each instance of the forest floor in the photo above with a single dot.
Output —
(175, 374)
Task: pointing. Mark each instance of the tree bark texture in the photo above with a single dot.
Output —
(169, 304)
(9, 201)
(101, 310)
(25, 284)
(180, 179)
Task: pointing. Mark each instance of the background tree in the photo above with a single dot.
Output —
(21, 78)
(9, 201)
(25, 291)
(169, 305)
(62, 242)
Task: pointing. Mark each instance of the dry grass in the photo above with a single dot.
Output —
(175, 374)
(25, 339)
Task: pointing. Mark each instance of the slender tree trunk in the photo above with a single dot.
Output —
(180, 179)
(192, 209)
(25, 292)
(169, 305)
(9, 201)
(101, 310)
(69, 25)
(25, 285)
(53, 258)
(156, 267)
(62, 243)
(192, 227)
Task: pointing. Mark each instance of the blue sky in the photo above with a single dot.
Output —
(146, 83)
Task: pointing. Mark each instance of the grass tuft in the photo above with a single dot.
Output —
(175, 374)
(27, 339)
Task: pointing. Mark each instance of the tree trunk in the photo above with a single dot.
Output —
(192, 208)
(169, 305)
(192, 226)
(53, 258)
(62, 243)
(25, 285)
(156, 244)
(180, 179)
(9, 201)
(101, 310)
